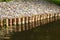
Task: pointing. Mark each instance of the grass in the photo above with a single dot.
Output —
(55, 1)
(5, 0)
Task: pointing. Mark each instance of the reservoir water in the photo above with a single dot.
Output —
(49, 31)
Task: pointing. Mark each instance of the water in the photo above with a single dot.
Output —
(47, 29)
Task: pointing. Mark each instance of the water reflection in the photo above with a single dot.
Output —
(49, 31)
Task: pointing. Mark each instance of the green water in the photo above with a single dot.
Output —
(49, 31)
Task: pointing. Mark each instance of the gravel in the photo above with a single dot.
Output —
(26, 8)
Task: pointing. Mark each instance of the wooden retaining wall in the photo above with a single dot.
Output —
(26, 23)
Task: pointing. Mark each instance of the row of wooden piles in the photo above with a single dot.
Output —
(14, 24)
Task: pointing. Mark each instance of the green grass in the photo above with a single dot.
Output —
(5, 0)
(55, 1)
